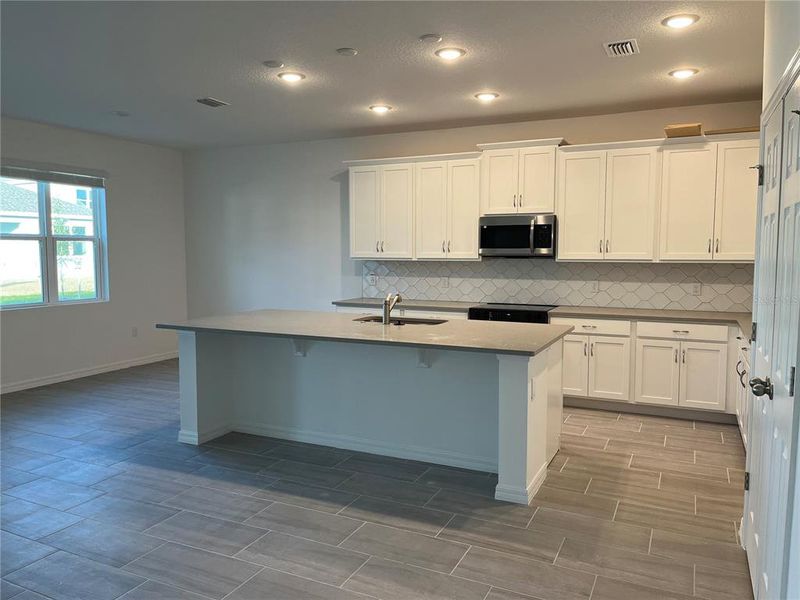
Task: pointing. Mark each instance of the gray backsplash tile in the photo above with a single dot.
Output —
(725, 287)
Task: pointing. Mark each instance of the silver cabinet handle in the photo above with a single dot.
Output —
(515, 199)
(676, 356)
(717, 247)
(591, 349)
(601, 245)
(589, 326)
(442, 246)
(381, 245)
(377, 246)
(520, 199)
(448, 245)
(683, 356)
(680, 331)
(607, 246)
(709, 245)
(584, 348)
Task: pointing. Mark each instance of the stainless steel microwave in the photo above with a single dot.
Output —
(518, 236)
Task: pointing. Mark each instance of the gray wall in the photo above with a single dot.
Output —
(267, 225)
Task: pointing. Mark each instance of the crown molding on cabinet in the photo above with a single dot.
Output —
(521, 144)
(694, 139)
(411, 159)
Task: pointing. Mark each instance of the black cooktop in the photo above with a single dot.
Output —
(512, 306)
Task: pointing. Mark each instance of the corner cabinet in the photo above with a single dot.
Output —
(446, 208)
(381, 211)
(708, 201)
(518, 177)
(607, 202)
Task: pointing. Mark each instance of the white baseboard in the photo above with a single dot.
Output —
(361, 444)
(521, 495)
(26, 384)
(194, 438)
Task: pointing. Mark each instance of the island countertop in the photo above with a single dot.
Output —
(457, 334)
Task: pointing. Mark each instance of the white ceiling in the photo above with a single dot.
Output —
(75, 63)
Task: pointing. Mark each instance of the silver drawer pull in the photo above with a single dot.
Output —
(589, 326)
(680, 331)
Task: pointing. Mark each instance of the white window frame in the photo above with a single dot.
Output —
(47, 246)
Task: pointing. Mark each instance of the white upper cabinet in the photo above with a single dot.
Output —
(381, 211)
(581, 205)
(607, 201)
(446, 206)
(631, 200)
(365, 212)
(737, 196)
(708, 201)
(518, 177)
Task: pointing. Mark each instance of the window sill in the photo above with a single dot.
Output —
(52, 304)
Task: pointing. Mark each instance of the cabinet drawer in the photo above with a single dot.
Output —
(595, 326)
(682, 331)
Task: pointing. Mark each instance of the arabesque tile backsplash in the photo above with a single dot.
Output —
(724, 287)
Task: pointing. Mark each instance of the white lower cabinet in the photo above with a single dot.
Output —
(576, 365)
(597, 366)
(657, 371)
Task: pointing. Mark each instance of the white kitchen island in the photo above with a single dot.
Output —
(474, 394)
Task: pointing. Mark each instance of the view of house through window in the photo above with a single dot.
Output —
(51, 240)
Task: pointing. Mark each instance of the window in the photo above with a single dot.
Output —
(52, 238)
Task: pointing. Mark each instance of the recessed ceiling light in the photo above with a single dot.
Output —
(273, 64)
(450, 53)
(380, 108)
(680, 21)
(430, 37)
(346, 51)
(683, 73)
(291, 76)
(487, 96)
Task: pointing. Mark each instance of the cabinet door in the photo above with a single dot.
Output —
(500, 170)
(576, 365)
(364, 212)
(703, 375)
(688, 184)
(463, 200)
(737, 196)
(581, 205)
(431, 210)
(631, 196)
(657, 371)
(609, 367)
(537, 180)
(397, 199)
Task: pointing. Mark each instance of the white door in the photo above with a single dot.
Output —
(576, 365)
(364, 212)
(657, 371)
(609, 367)
(431, 209)
(631, 197)
(737, 196)
(703, 375)
(581, 205)
(397, 210)
(537, 180)
(462, 207)
(688, 184)
(774, 428)
(499, 181)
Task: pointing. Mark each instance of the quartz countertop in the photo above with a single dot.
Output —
(742, 319)
(457, 334)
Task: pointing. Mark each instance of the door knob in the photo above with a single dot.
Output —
(761, 387)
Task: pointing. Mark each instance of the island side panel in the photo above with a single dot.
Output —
(367, 397)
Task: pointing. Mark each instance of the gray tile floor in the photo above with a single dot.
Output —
(99, 502)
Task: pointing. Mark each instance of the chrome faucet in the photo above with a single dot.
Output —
(388, 305)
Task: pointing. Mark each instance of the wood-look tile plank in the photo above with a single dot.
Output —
(482, 507)
(595, 506)
(402, 516)
(714, 584)
(307, 496)
(208, 533)
(270, 584)
(648, 516)
(591, 529)
(691, 549)
(640, 449)
(615, 589)
(682, 501)
(302, 522)
(389, 489)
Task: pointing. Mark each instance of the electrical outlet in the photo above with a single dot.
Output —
(445, 282)
(372, 279)
(697, 289)
(594, 287)
(134, 332)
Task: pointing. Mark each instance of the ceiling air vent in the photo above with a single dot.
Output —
(622, 48)
(212, 102)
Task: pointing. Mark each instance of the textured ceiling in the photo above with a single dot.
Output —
(75, 63)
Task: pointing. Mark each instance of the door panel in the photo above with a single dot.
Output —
(737, 196)
(500, 171)
(688, 184)
(657, 371)
(630, 204)
(609, 367)
(576, 365)
(537, 180)
(703, 375)
(364, 212)
(463, 199)
(581, 205)
(431, 210)
(397, 210)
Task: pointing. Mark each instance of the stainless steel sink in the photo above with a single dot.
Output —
(401, 320)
